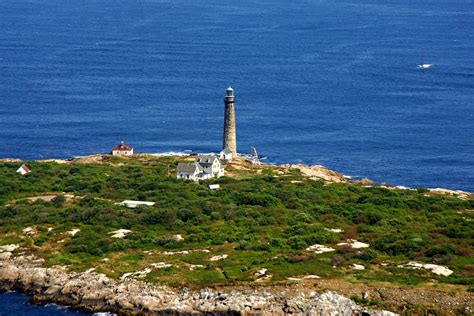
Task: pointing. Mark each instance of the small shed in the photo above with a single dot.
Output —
(135, 204)
(214, 187)
(24, 169)
(226, 154)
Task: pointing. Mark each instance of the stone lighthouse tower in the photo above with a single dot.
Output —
(230, 141)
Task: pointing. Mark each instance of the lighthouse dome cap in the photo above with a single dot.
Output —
(229, 92)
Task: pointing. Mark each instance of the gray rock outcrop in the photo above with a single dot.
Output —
(96, 292)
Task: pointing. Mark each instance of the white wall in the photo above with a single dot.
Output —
(122, 153)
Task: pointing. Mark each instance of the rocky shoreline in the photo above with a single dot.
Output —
(96, 292)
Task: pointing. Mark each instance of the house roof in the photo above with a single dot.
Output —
(226, 151)
(206, 159)
(123, 147)
(201, 168)
(186, 167)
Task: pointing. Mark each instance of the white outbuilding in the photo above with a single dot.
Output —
(226, 154)
(24, 169)
(135, 204)
(214, 187)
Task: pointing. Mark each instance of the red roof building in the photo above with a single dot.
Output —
(122, 150)
(24, 169)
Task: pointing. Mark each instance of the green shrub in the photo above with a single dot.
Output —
(264, 200)
(58, 201)
(166, 218)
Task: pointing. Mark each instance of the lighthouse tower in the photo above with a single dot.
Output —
(230, 142)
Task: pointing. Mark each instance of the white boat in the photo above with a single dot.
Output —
(425, 66)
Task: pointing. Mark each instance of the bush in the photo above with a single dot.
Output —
(367, 255)
(299, 258)
(88, 241)
(166, 218)
(297, 242)
(264, 200)
(303, 217)
(439, 251)
(58, 201)
(41, 240)
(243, 245)
(278, 243)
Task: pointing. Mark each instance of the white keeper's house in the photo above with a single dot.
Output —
(122, 150)
(204, 167)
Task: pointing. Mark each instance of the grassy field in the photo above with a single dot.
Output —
(257, 220)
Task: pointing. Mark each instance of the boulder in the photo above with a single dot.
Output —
(9, 275)
(5, 255)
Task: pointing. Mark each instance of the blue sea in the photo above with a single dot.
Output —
(330, 82)
(15, 304)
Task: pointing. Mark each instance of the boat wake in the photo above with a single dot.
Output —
(173, 153)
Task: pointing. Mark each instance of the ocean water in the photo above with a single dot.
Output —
(15, 304)
(331, 82)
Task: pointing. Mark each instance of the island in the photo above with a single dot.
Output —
(122, 234)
